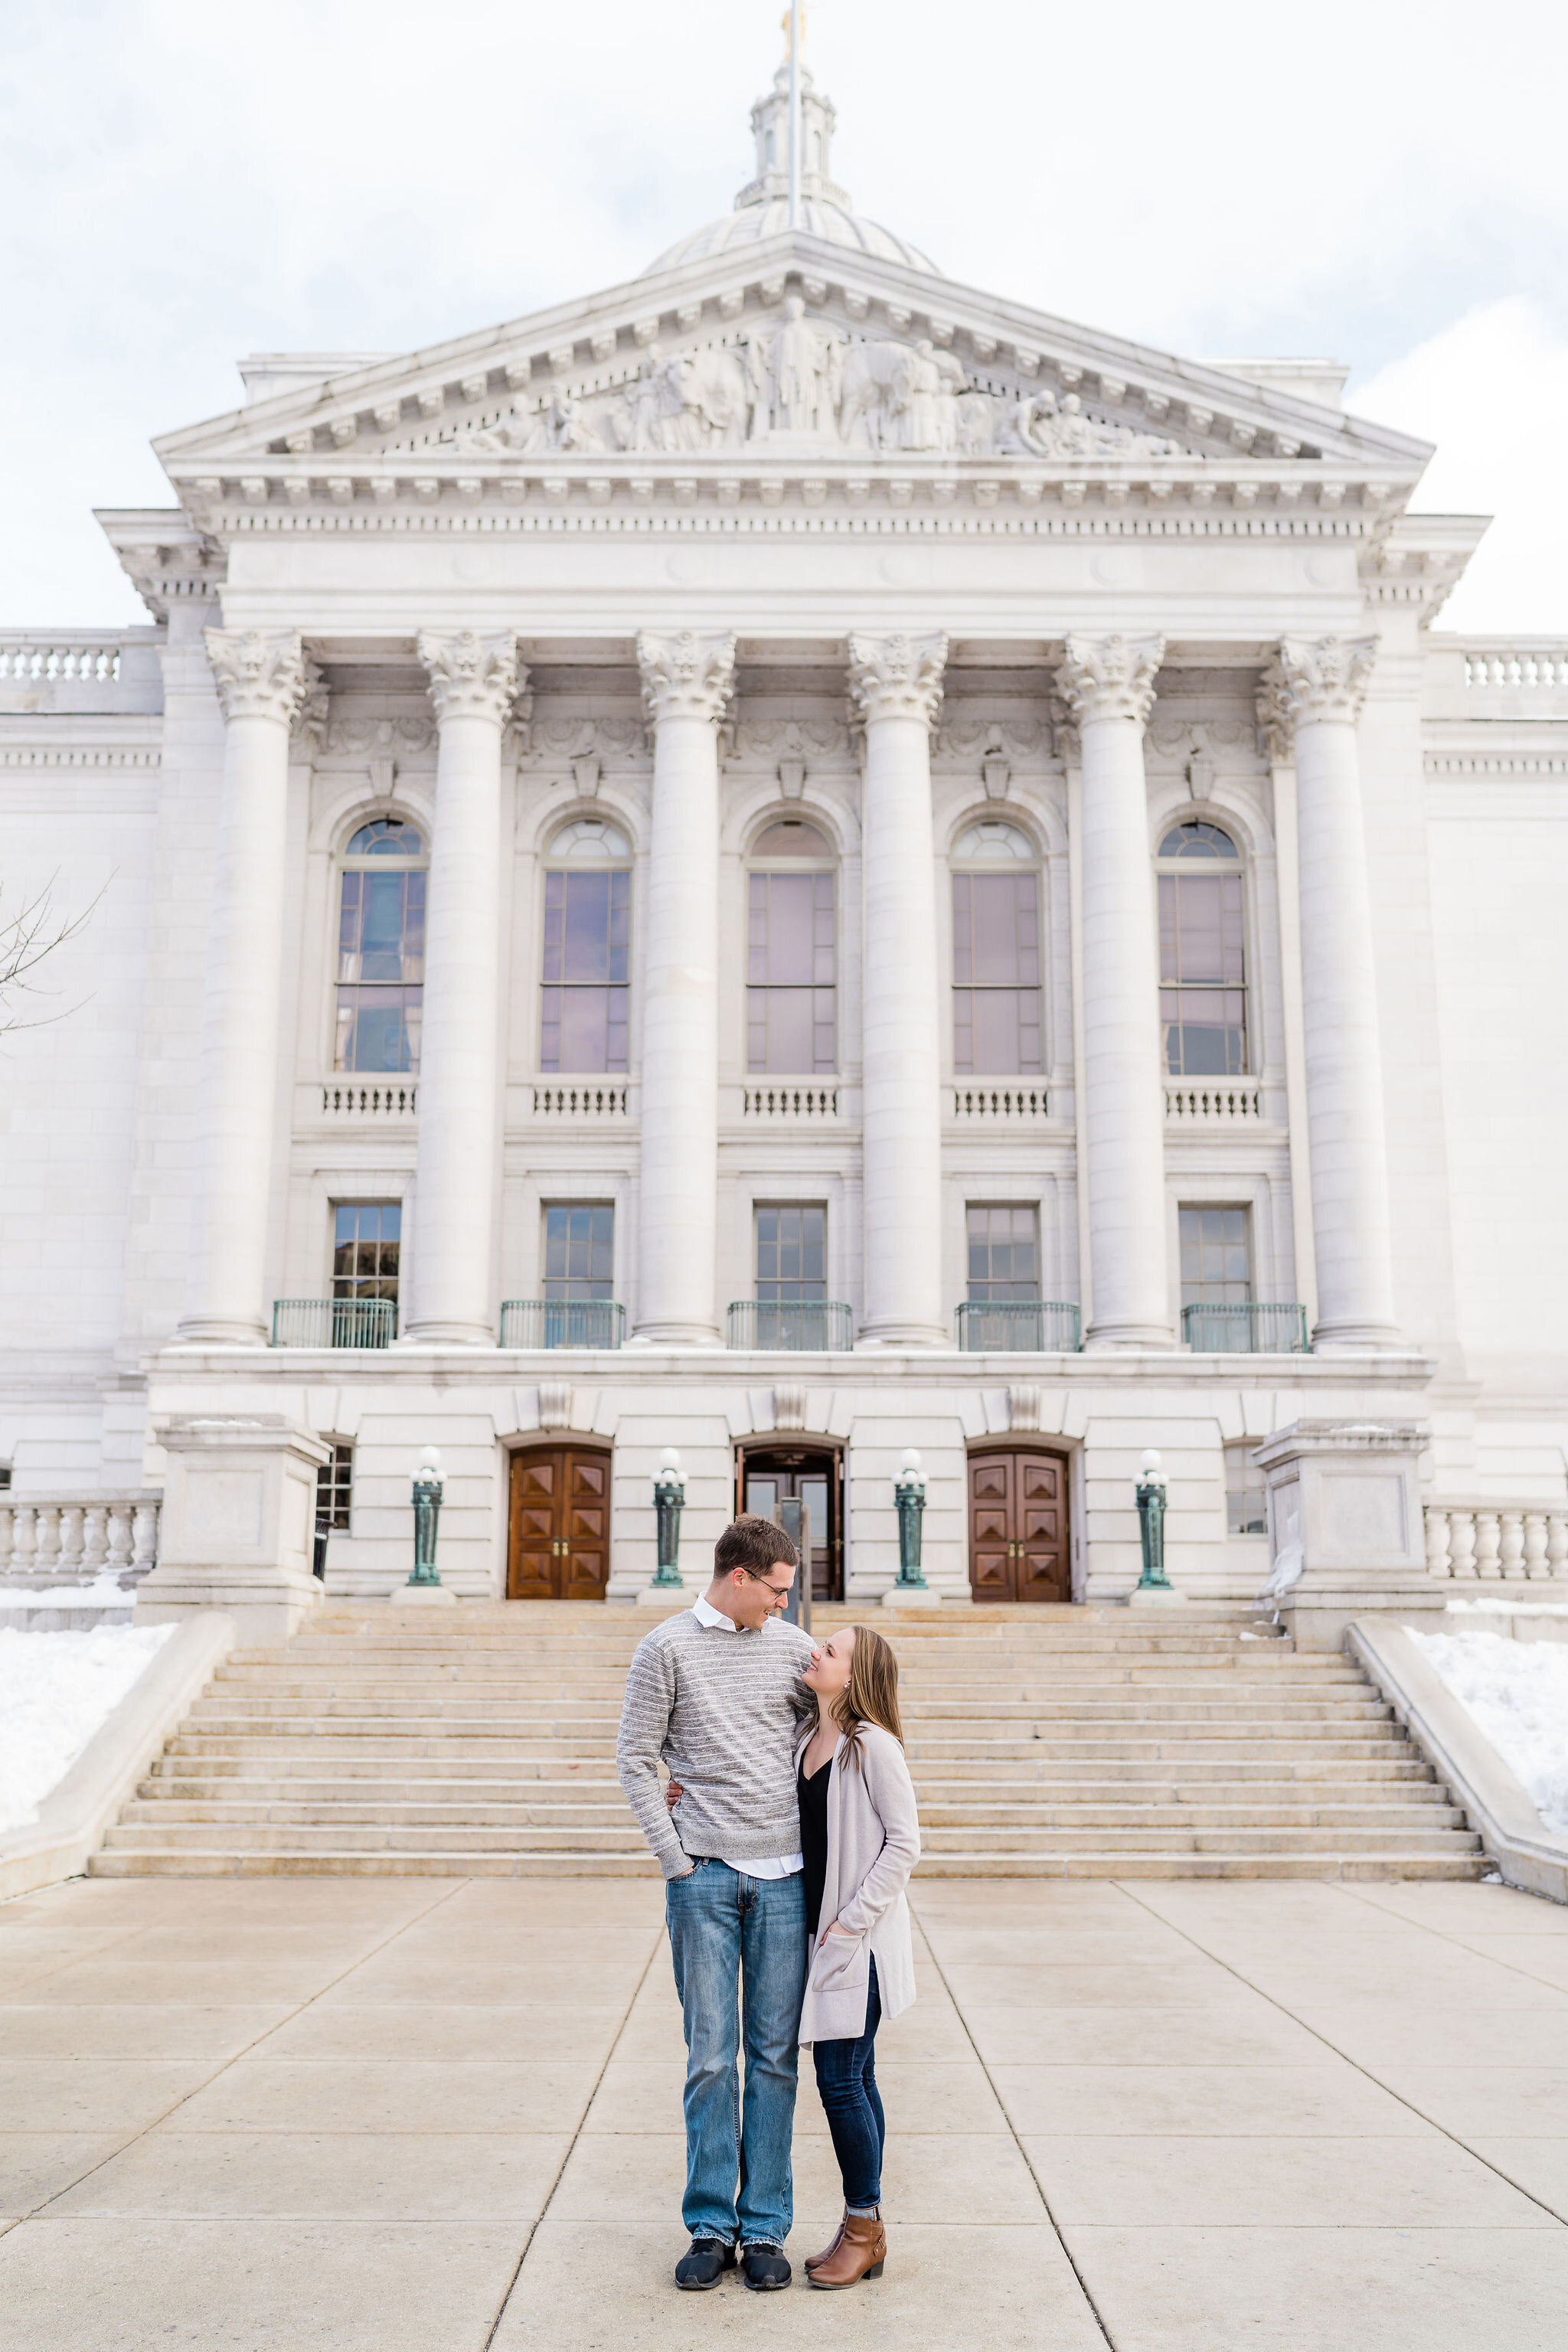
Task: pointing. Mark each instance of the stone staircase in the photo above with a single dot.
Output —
(1087, 1743)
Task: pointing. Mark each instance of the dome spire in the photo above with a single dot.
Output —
(770, 127)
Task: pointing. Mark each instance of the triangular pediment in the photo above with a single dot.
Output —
(793, 354)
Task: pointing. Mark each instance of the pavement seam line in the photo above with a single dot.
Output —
(534, 2226)
(1068, 2254)
(235, 2056)
(1443, 1935)
(1343, 2056)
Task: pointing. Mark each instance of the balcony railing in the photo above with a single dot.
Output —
(809, 1324)
(1035, 1325)
(562, 1323)
(333, 1322)
(1278, 1329)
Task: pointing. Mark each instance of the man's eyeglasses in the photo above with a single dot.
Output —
(779, 1592)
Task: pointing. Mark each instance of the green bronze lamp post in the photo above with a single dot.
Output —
(668, 1496)
(429, 1485)
(909, 1501)
(1153, 1584)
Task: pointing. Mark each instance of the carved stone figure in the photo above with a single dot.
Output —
(794, 375)
(1048, 425)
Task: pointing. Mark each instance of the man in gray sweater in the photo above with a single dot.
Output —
(716, 1694)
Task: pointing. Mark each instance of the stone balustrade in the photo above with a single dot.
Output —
(1491, 1542)
(56, 1539)
(386, 1098)
(1197, 1101)
(28, 657)
(80, 670)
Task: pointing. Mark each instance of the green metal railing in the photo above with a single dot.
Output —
(988, 1326)
(333, 1322)
(1274, 1329)
(802, 1323)
(562, 1323)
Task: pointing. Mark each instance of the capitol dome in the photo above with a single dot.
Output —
(762, 208)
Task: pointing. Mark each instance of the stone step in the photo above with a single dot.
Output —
(482, 1772)
(463, 1748)
(248, 1712)
(550, 1807)
(213, 1862)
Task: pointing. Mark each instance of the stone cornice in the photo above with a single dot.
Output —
(1307, 681)
(687, 675)
(1110, 677)
(262, 673)
(472, 675)
(896, 677)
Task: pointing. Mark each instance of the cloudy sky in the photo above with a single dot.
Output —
(183, 181)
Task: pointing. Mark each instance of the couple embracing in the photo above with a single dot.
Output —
(786, 1834)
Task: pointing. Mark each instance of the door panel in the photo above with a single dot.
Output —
(801, 1474)
(1018, 1548)
(559, 1525)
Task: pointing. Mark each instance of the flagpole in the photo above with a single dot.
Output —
(794, 8)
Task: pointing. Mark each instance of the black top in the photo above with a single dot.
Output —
(813, 1795)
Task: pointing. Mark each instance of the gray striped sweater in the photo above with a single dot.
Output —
(723, 1711)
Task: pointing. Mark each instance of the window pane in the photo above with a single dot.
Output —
(587, 934)
(792, 1253)
(381, 962)
(1216, 1257)
(366, 1243)
(1202, 1001)
(579, 1250)
(1003, 1252)
(790, 970)
(997, 971)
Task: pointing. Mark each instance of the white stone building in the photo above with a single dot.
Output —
(851, 827)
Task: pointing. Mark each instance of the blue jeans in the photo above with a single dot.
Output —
(847, 2079)
(730, 1933)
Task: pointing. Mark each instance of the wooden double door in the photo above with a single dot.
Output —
(558, 1525)
(1019, 1540)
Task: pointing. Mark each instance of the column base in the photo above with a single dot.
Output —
(1356, 1339)
(443, 1334)
(1100, 1337)
(219, 1331)
(676, 1335)
(903, 1335)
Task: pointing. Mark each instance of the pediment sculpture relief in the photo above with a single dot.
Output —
(795, 383)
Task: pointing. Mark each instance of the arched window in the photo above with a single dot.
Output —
(996, 953)
(1203, 959)
(587, 947)
(381, 948)
(792, 951)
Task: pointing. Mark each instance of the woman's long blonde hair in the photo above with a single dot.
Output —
(872, 1694)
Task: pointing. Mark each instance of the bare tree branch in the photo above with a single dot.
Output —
(27, 940)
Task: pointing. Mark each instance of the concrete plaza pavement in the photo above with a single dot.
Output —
(435, 2115)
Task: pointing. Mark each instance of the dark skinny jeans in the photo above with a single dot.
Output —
(846, 2084)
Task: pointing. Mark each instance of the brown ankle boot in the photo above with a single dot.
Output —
(814, 2262)
(860, 2252)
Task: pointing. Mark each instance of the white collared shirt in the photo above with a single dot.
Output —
(783, 1866)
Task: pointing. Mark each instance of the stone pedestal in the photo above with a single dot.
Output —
(239, 1499)
(1344, 1527)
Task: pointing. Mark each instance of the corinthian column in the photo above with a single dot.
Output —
(1107, 685)
(1312, 694)
(262, 681)
(474, 682)
(895, 687)
(687, 681)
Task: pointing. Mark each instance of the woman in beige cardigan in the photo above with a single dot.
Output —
(860, 1839)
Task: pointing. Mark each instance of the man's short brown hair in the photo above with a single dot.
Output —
(754, 1544)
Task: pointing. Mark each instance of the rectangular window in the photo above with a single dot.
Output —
(334, 1489)
(1246, 1506)
(997, 975)
(587, 945)
(790, 974)
(381, 969)
(579, 1250)
(792, 1253)
(1004, 1253)
(1216, 1257)
(1203, 992)
(365, 1239)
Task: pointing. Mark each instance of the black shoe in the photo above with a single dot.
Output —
(765, 2268)
(704, 2264)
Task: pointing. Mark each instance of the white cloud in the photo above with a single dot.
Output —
(1492, 391)
(183, 181)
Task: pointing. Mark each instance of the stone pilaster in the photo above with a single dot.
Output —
(895, 688)
(474, 684)
(263, 681)
(686, 680)
(1310, 701)
(1108, 687)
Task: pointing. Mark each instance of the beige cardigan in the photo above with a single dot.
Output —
(873, 1843)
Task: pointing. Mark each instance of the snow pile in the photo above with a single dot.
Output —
(56, 1691)
(105, 1591)
(1515, 1694)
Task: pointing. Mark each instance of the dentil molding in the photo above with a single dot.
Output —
(896, 677)
(1110, 677)
(688, 676)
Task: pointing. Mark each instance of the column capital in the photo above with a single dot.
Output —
(472, 676)
(896, 677)
(1110, 677)
(261, 673)
(1311, 680)
(690, 674)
